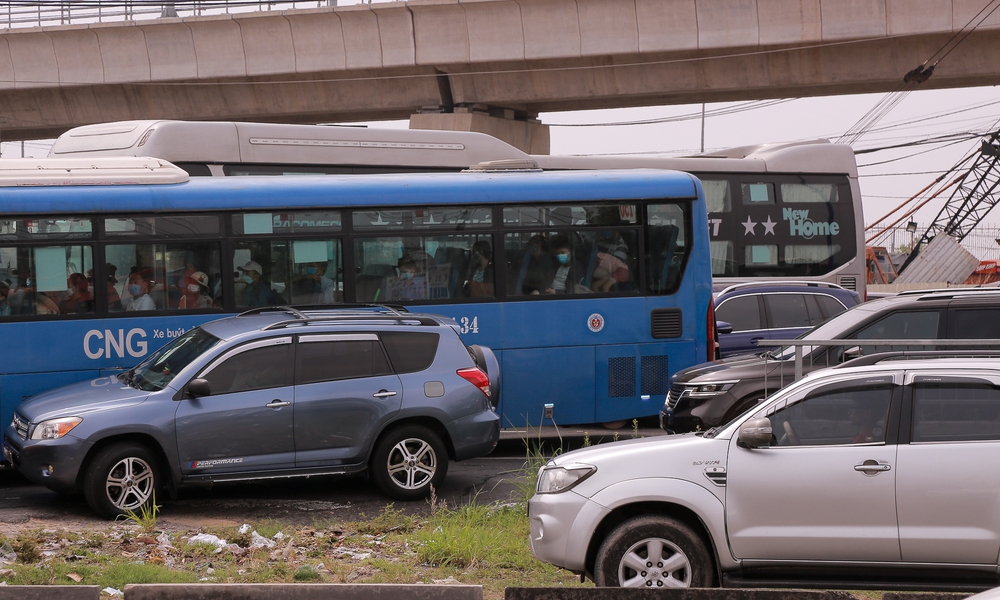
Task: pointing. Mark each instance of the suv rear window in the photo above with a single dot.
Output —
(410, 351)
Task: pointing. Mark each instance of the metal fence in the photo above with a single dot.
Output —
(37, 14)
(983, 242)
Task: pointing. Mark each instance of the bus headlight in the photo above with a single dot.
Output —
(54, 429)
(553, 480)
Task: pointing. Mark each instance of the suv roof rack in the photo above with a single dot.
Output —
(874, 359)
(355, 317)
(300, 310)
(940, 293)
(737, 286)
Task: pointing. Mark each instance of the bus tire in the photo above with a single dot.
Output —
(653, 551)
(122, 477)
(408, 461)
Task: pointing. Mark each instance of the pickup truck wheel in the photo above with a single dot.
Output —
(408, 461)
(653, 552)
(121, 478)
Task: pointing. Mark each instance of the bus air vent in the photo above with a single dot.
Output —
(666, 323)
(621, 376)
(654, 376)
(850, 283)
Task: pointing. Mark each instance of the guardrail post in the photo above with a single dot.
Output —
(798, 362)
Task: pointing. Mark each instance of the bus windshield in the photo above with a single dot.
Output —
(157, 371)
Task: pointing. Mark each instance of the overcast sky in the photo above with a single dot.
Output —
(888, 177)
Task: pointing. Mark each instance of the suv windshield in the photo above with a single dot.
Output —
(154, 373)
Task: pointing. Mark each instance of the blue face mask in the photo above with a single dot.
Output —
(135, 290)
(247, 279)
(563, 258)
(310, 270)
(406, 275)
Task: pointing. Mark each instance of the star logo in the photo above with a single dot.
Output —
(749, 226)
(768, 225)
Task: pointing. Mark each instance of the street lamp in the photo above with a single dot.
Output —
(912, 228)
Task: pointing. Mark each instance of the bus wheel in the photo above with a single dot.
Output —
(407, 461)
(121, 478)
(653, 552)
(613, 425)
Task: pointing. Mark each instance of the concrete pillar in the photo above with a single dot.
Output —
(527, 134)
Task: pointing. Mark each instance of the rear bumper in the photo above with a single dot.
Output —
(475, 435)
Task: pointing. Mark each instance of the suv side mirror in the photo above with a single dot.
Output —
(723, 327)
(852, 353)
(196, 388)
(755, 433)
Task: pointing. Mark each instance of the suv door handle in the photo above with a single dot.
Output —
(871, 467)
(277, 403)
(383, 394)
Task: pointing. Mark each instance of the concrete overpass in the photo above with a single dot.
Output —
(484, 65)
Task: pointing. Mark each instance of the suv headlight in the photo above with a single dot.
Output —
(707, 390)
(556, 479)
(54, 429)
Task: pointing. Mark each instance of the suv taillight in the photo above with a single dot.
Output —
(476, 377)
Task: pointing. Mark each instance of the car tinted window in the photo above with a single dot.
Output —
(409, 351)
(341, 359)
(788, 310)
(742, 312)
(256, 369)
(903, 325)
(830, 306)
(854, 414)
(956, 413)
(976, 324)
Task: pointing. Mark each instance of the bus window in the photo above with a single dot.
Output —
(666, 246)
(809, 192)
(48, 228)
(170, 226)
(46, 280)
(286, 223)
(582, 261)
(299, 272)
(762, 255)
(758, 193)
(153, 276)
(718, 198)
(723, 263)
(428, 267)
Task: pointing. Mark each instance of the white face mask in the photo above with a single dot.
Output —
(194, 287)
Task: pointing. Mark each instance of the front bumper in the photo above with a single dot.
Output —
(696, 414)
(562, 526)
(53, 463)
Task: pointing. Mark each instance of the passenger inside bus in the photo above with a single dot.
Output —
(536, 267)
(479, 281)
(195, 292)
(140, 282)
(78, 298)
(257, 291)
(569, 274)
(5, 309)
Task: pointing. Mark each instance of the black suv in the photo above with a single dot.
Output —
(714, 393)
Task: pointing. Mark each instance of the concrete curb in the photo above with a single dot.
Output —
(50, 592)
(515, 593)
(301, 591)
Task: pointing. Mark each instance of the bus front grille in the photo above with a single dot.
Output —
(666, 323)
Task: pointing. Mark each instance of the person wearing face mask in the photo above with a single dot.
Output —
(408, 284)
(257, 291)
(479, 282)
(566, 276)
(139, 284)
(194, 291)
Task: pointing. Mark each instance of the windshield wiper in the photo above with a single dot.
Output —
(129, 378)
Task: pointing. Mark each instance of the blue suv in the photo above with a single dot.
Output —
(274, 392)
(759, 311)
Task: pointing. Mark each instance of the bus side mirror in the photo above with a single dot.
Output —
(755, 433)
(196, 388)
(723, 327)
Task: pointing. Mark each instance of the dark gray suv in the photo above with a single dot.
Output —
(269, 393)
(714, 393)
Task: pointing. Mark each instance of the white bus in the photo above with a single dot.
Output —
(776, 211)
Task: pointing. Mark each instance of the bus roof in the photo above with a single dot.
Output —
(232, 142)
(807, 156)
(15, 172)
(332, 191)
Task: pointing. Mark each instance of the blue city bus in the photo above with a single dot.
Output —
(592, 287)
